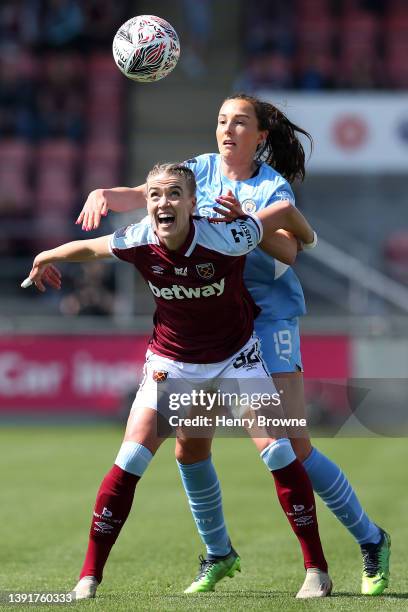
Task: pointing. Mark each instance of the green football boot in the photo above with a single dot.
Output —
(376, 561)
(214, 570)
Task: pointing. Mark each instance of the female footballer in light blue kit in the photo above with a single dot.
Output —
(249, 131)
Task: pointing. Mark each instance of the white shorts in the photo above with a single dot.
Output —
(246, 364)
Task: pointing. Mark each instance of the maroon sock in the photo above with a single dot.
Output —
(112, 506)
(298, 503)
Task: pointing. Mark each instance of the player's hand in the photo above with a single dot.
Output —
(43, 274)
(231, 207)
(94, 208)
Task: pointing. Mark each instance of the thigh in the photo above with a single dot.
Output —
(280, 344)
(157, 409)
(247, 375)
(291, 391)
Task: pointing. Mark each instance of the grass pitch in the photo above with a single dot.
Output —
(49, 480)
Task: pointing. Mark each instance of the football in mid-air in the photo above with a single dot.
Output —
(146, 48)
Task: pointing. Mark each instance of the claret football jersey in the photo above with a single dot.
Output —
(204, 313)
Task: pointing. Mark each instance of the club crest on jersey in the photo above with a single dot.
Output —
(205, 270)
(159, 375)
(248, 206)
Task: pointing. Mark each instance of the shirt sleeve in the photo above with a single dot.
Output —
(124, 242)
(237, 237)
(284, 192)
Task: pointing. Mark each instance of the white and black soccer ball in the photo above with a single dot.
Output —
(146, 48)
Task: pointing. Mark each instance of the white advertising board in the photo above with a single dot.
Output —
(358, 132)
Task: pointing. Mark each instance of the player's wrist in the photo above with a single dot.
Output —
(43, 258)
(312, 244)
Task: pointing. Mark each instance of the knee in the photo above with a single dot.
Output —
(191, 451)
(302, 448)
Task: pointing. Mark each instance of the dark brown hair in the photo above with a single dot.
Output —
(175, 170)
(282, 148)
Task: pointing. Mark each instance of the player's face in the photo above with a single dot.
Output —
(237, 133)
(170, 205)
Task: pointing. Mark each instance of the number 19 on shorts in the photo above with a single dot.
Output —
(283, 343)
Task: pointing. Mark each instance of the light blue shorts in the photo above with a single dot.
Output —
(280, 344)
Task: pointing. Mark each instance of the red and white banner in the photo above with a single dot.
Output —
(91, 374)
(352, 133)
(96, 374)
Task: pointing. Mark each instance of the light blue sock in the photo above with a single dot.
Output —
(332, 486)
(201, 484)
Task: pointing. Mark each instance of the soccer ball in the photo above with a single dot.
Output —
(146, 48)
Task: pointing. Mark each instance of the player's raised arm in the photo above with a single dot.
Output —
(276, 241)
(44, 272)
(281, 245)
(118, 199)
(285, 216)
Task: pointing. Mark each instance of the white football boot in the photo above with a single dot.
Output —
(316, 584)
(86, 588)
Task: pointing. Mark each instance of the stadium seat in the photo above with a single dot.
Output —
(57, 152)
(101, 166)
(396, 29)
(310, 9)
(396, 8)
(57, 172)
(15, 165)
(315, 34)
(101, 65)
(360, 26)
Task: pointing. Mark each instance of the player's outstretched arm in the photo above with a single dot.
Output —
(285, 216)
(118, 199)
(45, 273)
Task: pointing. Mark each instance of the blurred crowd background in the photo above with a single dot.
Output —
(70, 122)
(322, 45)
(66, 115)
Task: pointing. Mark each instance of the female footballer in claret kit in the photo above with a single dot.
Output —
(260, 155)
(203, 326)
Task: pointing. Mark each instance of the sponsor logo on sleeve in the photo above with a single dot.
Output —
(244, 233)
(279, 196)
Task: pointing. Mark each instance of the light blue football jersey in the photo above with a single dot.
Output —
(274, 286)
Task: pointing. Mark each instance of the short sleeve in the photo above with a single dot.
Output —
(284, 192)
(124, 242)
(235, 238)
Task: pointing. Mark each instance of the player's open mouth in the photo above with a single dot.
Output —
(165, 220)
(228, 143)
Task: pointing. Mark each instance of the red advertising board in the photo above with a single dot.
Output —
(69, 373)
(326, 357)
(94, 374)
